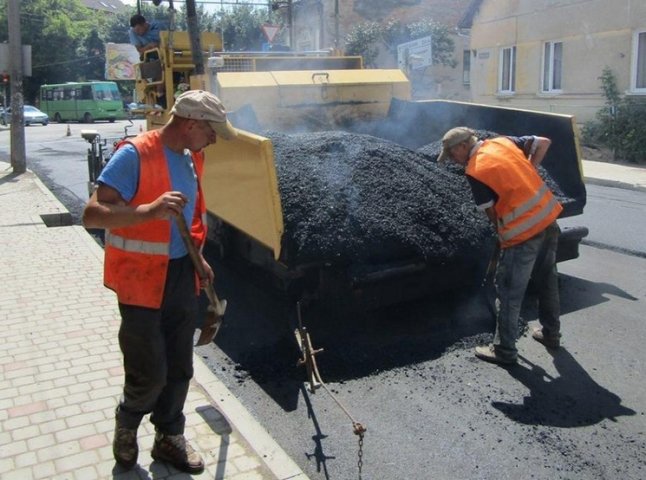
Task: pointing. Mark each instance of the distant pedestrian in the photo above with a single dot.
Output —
(506, 185)
(148, 181)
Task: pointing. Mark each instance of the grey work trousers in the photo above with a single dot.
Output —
(535, 259)
(157, 347)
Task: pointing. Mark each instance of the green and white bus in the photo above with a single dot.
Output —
(82, 101)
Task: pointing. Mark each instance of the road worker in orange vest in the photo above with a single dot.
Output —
(148, 181)
(505, 183)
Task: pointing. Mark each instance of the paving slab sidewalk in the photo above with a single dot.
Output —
(60, 363)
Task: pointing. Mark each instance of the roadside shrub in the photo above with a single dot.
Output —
(619, 125)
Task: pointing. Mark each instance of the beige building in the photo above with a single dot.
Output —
(548, 55)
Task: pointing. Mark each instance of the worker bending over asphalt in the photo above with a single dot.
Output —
(502, 173)
(148, 181)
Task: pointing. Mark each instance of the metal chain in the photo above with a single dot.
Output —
(357, 428)
(360, 454)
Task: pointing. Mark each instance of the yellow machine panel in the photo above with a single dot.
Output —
(238, 62)
(240, 184)
(179, 43)
(313, 99)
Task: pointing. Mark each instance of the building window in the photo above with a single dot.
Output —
(507, 72)
(639, 62)
(552, 66)
(466, 67)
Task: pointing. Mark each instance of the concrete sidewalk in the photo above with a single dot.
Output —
(619, 175)
(60, 363)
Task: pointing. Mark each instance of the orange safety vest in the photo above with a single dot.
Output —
(136, 257)
(525, 205)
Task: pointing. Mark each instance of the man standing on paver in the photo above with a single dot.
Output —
(506, 185)
(147, 182)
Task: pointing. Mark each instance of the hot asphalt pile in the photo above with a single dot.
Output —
(353, 198)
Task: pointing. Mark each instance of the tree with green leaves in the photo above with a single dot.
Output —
(366, 38)
(241, 28)
(56, 30)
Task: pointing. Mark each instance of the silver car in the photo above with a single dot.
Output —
(31, 115)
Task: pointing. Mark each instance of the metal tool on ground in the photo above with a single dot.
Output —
(314, 378)
(309, 353)
(217, 307)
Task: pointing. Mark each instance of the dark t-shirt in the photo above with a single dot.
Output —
(484, 196)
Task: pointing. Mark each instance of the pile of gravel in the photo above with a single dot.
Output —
(356, 199)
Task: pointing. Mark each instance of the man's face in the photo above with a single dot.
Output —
(459, 153)
(140, 29)
(201, 135)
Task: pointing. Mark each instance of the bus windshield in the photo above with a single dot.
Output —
(106, 91)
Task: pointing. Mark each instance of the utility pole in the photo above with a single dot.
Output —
(18, 157)
(194, 36)
(290, 21)
(336, 25)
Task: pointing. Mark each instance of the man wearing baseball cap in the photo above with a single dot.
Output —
(502, 173)
(150, 180)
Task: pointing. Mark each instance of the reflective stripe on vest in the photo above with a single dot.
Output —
(532, 221)
(136, 246)
(525, 207)
(525, 203)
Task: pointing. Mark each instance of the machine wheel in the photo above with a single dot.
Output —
(58, 118)
(87, 118)
(111, 120)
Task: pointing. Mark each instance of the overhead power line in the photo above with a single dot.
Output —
(68, 61)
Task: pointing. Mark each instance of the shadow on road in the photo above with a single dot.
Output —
(579, 294)
(573, 399)
(258, 337)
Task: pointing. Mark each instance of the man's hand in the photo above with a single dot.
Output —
(538, 149)
(167, 205)
(210, 276)
(107, 209)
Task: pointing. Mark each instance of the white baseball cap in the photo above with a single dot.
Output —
(203, 105)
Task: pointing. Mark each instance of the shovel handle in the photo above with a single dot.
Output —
(197, 263)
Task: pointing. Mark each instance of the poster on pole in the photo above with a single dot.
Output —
(120, 61)
(415, 54)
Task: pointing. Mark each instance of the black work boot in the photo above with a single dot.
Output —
(124, 446)
(174, 449)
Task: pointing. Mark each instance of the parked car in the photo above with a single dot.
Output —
(139, 110)
(31, 115)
